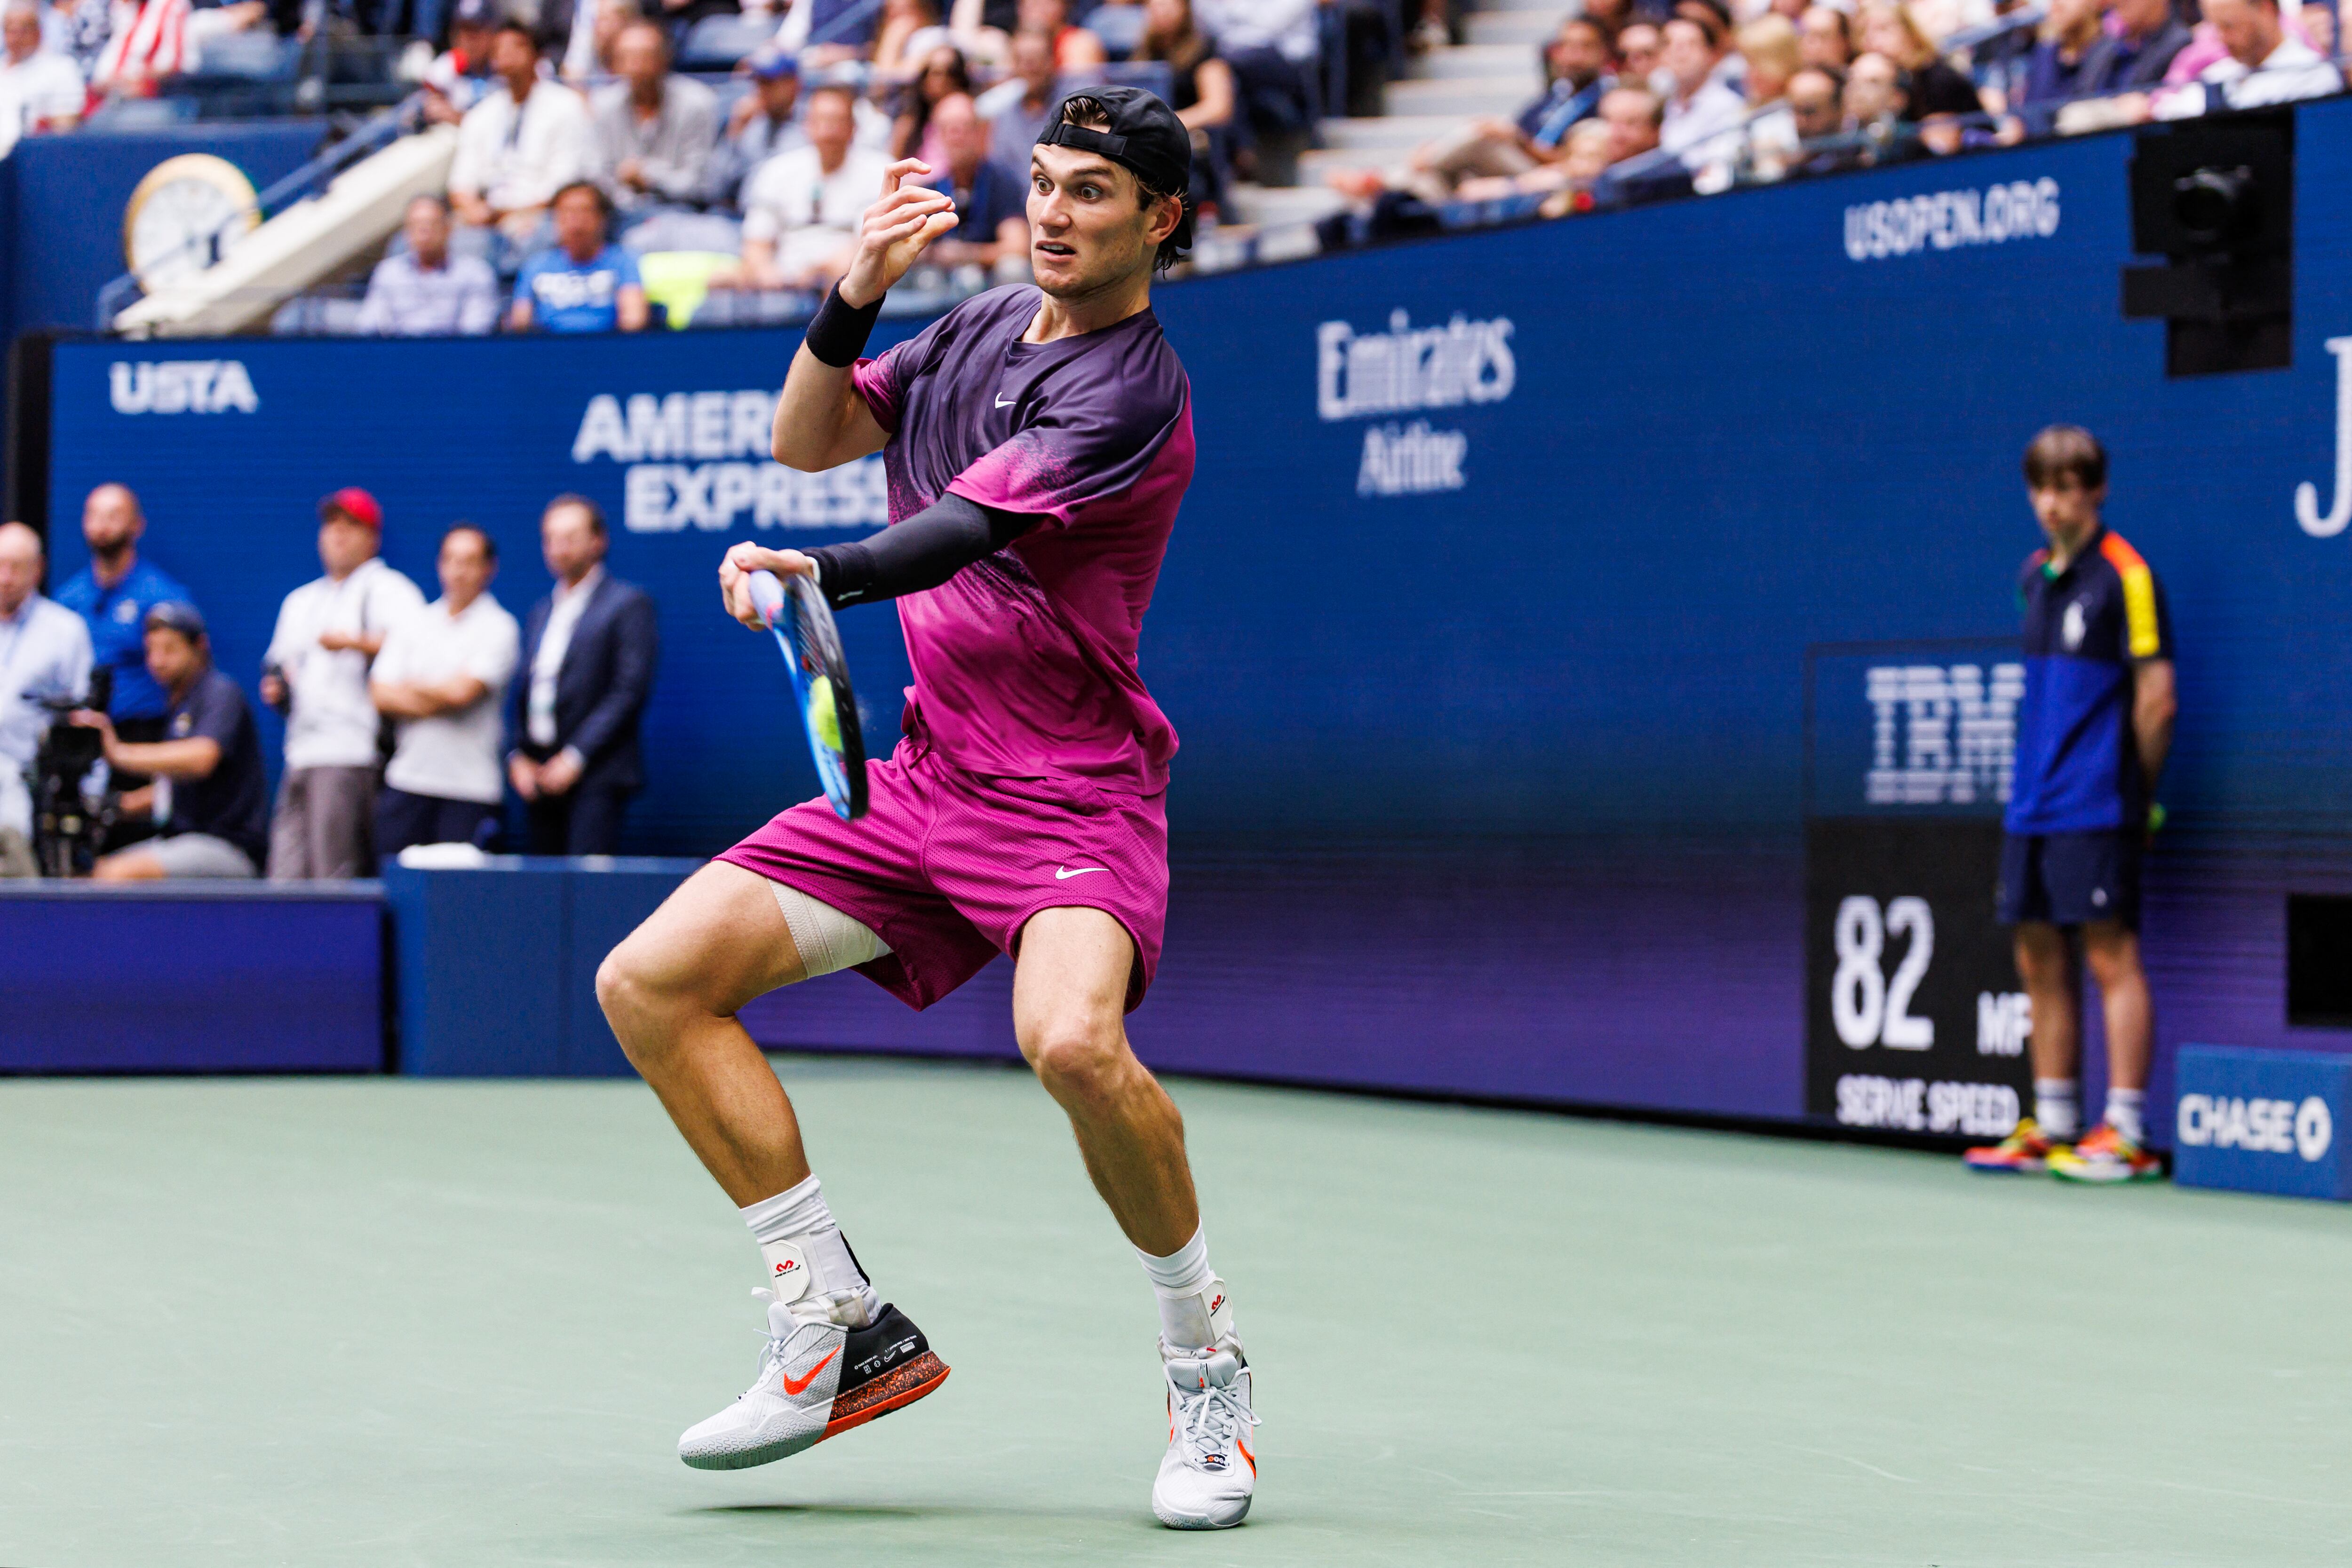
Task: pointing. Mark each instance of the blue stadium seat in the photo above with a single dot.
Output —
(719, 43)
(1120, 28)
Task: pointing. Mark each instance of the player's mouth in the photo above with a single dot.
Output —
(1056, 249)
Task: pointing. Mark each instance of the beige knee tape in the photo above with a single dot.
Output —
(827, 939)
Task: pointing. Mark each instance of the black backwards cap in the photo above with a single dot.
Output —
(1145, 138)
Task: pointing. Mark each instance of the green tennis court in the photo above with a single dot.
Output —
(326, 1321)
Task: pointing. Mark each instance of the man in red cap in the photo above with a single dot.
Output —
(316, 673)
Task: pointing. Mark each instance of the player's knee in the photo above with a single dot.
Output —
(630, 999)
(1076, 1058)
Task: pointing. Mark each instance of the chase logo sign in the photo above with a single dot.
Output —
(2261, 1121)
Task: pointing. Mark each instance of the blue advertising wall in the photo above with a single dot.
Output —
(1486, 621)
(62, 201)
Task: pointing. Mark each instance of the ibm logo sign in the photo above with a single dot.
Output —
(1942, 735)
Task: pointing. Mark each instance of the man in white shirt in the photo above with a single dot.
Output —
(426, 292)
(442, 676)
(2265, 65)
(526, 139)
(802, 207)
(43, 652)
(1701, 105)
(316, 672)
(40, 90)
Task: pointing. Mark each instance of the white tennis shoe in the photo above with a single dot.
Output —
(817, 1379)
(1209, 1471)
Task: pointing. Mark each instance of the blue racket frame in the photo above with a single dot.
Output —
(804, 628)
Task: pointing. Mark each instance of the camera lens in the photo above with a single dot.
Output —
(2212, 205)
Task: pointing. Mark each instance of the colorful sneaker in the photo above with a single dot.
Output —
(2023, 1150)
(2105, 1156)
(817, 1380)
(1209, 1472)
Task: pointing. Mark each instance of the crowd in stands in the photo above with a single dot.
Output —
(407, 723)
(1637, 104)
(600, 185)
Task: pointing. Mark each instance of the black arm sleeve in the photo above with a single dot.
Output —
(921, 552)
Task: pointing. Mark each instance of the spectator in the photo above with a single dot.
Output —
(656, 131)
(1824, 38)
(589, 648)
(457, 80)
(43, 652)
(1874, 99)
(1494, 148)
(210, 798)
(1639, 46)
(39, 89)
(591, 32)
(525, 141)
(910, 31)
(316, 672)
(1200, 91)
(424, 291)
(1769, 47)
(442, 678)
(943, 75)
(2056, 71)
(582, 283)
(1699, 105)
(1018, 108)
(2266, 64)
(112, 595)
(1271, 45)
(1815, 102)
(762, 123)
(2318, 25)
(1931, 86)
(801, 208)
(77, 29)
(148, 46)
(1075, 48)
(991, 209)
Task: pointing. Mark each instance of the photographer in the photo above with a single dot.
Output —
(43, 652)
(210, 798)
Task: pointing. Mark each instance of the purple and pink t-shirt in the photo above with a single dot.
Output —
(1024, 662)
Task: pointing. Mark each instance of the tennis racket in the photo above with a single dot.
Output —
(797, 613)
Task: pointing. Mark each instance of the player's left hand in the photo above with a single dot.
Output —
(736, 568)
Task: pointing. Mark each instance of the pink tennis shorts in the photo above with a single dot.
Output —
(947, 866)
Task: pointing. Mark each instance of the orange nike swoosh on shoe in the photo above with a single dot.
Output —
(796, 1386)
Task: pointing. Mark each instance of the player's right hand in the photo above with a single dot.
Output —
(735, 570)
(894, 232)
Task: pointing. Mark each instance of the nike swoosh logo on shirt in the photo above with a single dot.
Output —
(796, 1386)
(1064, 873)
(1005, 402)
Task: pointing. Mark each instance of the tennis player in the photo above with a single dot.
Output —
(1038, 442)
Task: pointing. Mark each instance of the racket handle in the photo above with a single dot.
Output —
(767, 596)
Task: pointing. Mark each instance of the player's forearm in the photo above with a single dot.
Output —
(820, 419)
(921, 553)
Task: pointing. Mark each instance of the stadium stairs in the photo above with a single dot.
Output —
(1494, 73)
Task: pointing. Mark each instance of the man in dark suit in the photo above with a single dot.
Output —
(588, 654)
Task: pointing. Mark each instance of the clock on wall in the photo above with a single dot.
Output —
(178, 209)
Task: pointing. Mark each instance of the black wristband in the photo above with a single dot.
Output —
(836, 334)
(843, 573)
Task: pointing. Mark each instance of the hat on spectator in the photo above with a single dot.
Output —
(179, 615)
(477, 14)
(768, 65)
(355, 504)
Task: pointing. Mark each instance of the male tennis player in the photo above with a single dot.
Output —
(1037, 441)
(2092, 735)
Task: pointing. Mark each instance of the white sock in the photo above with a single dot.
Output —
(2056, 1108)
(1193, 1314)
(2122, 1111)
(810, 1265)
